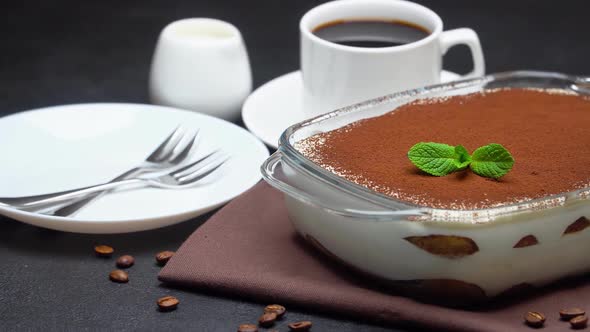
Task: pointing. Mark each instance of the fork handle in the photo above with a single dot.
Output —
(34, 203)
(77, 204)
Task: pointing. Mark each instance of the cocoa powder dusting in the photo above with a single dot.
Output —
(547, 133)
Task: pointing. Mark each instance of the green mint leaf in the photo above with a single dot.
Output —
(438, 159)
(492, 161)
(463, 159)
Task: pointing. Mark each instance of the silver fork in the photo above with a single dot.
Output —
(179, 178)
(171, 152)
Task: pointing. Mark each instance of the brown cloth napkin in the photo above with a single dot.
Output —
(250, 249)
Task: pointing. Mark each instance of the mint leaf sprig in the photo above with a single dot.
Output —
(491, 161)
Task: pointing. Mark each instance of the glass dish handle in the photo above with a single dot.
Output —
(269, 173)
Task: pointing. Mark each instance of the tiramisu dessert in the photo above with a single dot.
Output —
(545, 131)
(469, 168)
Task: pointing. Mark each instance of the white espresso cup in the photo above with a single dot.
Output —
(201, 64)
(336, 75)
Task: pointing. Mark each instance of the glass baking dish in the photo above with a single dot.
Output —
(448, 256)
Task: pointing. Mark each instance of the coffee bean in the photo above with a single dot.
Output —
(247, 328)
(579, 322)
(125, 261)
(267, 319)
(103, 251)
(119, 276)
(569, 313)
(534, 319)
(276, 308)
(163, 257)
(300, 326)
(167, 303)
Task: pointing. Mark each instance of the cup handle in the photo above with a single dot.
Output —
(465, 36)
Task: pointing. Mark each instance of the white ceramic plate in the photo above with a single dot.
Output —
(276, 105)
(65, 147)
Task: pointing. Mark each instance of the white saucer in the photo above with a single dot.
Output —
(276, 105)
(65, 147)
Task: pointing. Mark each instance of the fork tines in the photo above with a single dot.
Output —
(200, 168)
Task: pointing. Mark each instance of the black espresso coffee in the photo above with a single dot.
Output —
(370, 33)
